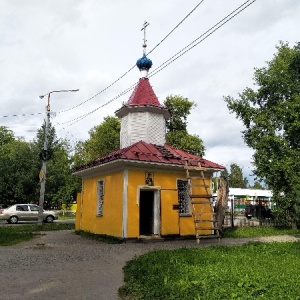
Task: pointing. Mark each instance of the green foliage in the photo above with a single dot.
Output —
(6, 136)
(185, 141)
(177, 134)
(61, 186)
(235, 177)
(257, 185)
(103, 139)
(10, 235)
(179, 108)
(271, 116)
(20, 165)
(252, 271)
(17, 170)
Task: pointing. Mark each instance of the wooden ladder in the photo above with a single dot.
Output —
(202, 209)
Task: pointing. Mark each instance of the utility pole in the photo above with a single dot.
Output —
(45, 156)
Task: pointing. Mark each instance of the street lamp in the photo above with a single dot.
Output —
(44, 155)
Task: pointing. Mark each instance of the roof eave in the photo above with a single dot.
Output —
(125, 110)
(121, 164)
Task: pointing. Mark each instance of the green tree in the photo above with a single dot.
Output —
(177, 134)
(185, 141)
(61, 186)
(236, 178)
(225, 173)
(257, 186)
(103, 139)
(271, 116)
(180, 108)
(18, 180)
(6, 136)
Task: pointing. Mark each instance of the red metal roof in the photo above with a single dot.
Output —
(143, 94)
(144, 152)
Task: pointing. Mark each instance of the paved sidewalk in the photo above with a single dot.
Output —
(62, 265)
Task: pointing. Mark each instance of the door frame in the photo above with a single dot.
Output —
(156, 202)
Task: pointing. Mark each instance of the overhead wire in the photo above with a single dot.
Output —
(159, 68)
(114, 82)
(176, 26)
(22, 115)
(68, 109)
(183, 51)
(75, 120)
(205, 35)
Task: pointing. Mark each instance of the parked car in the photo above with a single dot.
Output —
(26, 212)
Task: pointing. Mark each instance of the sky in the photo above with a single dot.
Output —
(55, 45)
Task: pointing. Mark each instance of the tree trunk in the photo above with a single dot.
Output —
(222, 200)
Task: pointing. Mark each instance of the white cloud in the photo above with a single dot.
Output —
(54, 45)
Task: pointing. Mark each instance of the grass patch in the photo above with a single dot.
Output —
(252, 271)
(66, 217)
(10, 235)
(258, 231)
(100, 237)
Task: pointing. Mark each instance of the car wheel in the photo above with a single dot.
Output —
(49, 219)
(13, 220)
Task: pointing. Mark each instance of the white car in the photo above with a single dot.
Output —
(25, 212)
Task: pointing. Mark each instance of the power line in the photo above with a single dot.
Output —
(22, 115)
(75, 120)
(68, 109)
(114, 82)
(205, 35)
(162, 66)
(176, 26)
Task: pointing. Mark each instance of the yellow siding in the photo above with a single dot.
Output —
(169, 217)
(78, 212)
(135, 178)
(111, 221)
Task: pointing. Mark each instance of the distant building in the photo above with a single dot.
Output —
(240, 197)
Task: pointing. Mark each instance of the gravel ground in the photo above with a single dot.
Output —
(62, 265)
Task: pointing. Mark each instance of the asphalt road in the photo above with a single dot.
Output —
(62, 265)
(68, 221)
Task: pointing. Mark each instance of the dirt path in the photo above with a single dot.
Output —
(62, 265)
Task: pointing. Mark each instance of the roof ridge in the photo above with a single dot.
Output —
(143, 94)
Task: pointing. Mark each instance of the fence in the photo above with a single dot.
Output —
(241, 221)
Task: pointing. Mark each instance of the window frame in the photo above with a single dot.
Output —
(100, 197)
(184, 211)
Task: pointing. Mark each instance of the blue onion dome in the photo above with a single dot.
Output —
(144, 63)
